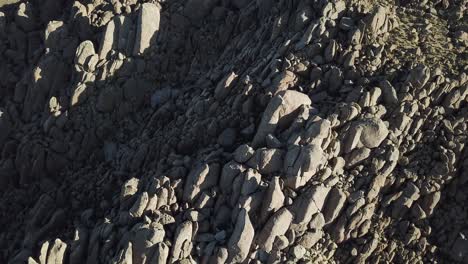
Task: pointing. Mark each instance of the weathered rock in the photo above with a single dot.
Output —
(280, 111)
(267, 161)
(182, 244)
(368, 133)
(147, 26)
(230, 171)
(109, 39)
(129, 189)
(277, 225)
(308, 204)
(57, 252)
(301, 164)
(333, 205)
(243, 153)
(273, 199)
(241, 238)
(200, 178)
(225, 86)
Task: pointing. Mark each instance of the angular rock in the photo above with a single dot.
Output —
(267, 161)
(241, 239)
(309, 203)
(333, 205)
(147, 26)
(369, 132)
(279, 113)
(276, 226)
(200, 178)
(243, 153)
(182, 244)
(273, 199)
(301, 164)
(225, 86)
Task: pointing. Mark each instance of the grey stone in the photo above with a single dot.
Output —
(273, 199)
(267, 161)
(183, 236)
(279, 113)
(301, 164)
(201, 178)
(369, 132)
(277, 225)
(333, 205)
(309, 239)
(147, 26)
(309, 203)
(228, 137)
(243, 153)
(241, 239)
(225, 86)
(230, 171)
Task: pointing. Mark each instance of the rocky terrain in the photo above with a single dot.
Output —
(233, 131)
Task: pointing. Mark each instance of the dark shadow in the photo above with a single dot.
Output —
(61, 158)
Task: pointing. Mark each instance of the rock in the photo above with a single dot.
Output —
(317, 131)
(108, 40)
(298, 252)
(84, 54)
(369, 132)
(129, 189)
(390, 96)
(182, 244)
(277, 225)
(79, 95)
(56, 252)
(243, 153)
(144, 237)
(225, 86)
(221, 256)
(251, 182)
(280, 111)
(267, 161)
(333, 205)
(230, 171)
(301, 164)
(282, 82)
(378, 22)
(139, 206)
(429, 202)
(459, 250)
(200, 178)
(147, 26)
(356, 156)
(272, 142)
(227, 138)
(418, 76)
(308, 204)
(160, 97)
(196, 10)
(317, 222)
(31, 261)
(125, 255)
(160, 254)
(273, 199)
(25, 17)
(241, 239)
(309, 239)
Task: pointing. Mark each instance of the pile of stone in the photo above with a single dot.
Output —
(233, 131)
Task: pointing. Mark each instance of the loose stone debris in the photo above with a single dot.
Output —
(234, 131)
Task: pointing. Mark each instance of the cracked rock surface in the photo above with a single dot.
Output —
(233, 131)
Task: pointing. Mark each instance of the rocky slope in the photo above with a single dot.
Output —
(233, 131)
